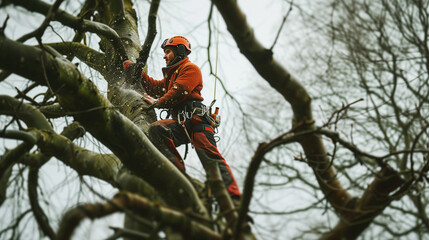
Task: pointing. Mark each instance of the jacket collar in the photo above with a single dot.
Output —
(169, 69)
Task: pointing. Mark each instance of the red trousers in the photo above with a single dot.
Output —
(172, 134)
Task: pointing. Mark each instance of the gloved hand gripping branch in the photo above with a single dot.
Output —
(134, 71)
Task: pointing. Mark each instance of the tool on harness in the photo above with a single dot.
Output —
(184, 127)
(186, 132)
(216, 118)
(187, 110)
(190, 108)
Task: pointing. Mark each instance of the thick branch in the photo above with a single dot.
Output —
(105, 167)
(370, 205)
(27, 113)
(92, 58)
(32, 118)
(53, 111)
(281, 80)
(262, 60)
(167, 217)
(77, 94)
(85, 162)
(226, 205)
(11, 157)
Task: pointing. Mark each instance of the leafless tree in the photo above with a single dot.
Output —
(366, 63)
(160, 199)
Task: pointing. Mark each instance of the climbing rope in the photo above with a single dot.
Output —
(216, 61)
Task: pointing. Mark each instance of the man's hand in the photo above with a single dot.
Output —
(152, 102)
(148, 99)
(133, 70)
(126, 64)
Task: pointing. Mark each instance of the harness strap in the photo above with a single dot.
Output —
(186, 131)
(202, 128)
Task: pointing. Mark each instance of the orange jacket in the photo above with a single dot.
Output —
(181, 82)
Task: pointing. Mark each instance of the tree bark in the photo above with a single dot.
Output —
(82, 99)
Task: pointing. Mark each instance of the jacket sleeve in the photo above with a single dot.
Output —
(155, 88)
(189, 77)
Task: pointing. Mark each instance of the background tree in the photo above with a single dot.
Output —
(162, 201)
(351, 51)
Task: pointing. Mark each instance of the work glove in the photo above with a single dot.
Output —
(152, 102)
(133, 70)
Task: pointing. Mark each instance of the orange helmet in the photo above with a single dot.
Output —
(177, 41)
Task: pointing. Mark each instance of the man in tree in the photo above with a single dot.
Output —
(180, 92)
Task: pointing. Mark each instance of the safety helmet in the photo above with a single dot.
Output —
(177, 41)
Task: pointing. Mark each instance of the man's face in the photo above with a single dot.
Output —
(168, 55)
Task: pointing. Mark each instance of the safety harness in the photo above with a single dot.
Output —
(186, 110)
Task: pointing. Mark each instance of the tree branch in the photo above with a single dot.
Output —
(11, 157)
(92, 58)
(256, 161)
(75, 93)
(38, 33)
(383, 184)
(78, 24)
(53, 111)
(139, 205)
(281, 80)
(151, 32)
(281, 25)
(29, 114)
(19, 135)
(32, 118)
(39, 214)
(226, 205)
(4, 182)
(370, 205)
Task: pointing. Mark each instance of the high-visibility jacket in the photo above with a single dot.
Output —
(181, 82)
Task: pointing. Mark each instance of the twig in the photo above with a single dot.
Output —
(338, 111)
(123, 232)
(151, 32)
(38, 33)
(413, 148)
(16, 223)
(4, 24)
(45, 76)
(281, 26)
(24, 96)
(79, 24)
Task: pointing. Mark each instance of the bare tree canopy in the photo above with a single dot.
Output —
(325, 121)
